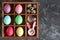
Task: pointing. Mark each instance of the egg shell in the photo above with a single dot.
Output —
(19, 31)
(29, 5)
(7, 20)
(18, 19)
(7, 8)
(34, 11)
(18, 9)
(9, 31)
(29, 11)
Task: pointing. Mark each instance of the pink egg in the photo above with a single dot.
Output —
(9, 31)
(7, 8)
(18, 9)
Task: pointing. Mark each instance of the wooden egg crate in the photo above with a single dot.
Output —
(25, 14)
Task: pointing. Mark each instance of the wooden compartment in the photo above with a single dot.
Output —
(5, 28)
(12, 8)
(23, 29)
(24, 15)
(31, 7)
(31, 24)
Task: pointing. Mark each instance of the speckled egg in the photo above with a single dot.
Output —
(7, 20)
(7, 8)
(18, 19)
(19, 31)
(18, 9)
(9, 31)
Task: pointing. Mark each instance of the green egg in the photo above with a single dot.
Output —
(18, 19)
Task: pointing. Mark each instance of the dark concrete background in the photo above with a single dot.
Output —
(49, 20)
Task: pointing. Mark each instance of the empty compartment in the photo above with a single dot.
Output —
(19, 31)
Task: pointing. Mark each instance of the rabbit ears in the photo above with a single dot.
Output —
(29, 26)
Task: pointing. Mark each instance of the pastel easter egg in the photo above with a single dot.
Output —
(9, 31)
(18, 19)
(19, 31)
(7, 8)
(18, 9)
(7, 20)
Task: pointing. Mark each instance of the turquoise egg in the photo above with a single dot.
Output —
(7, 20)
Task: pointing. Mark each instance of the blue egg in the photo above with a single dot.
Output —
(7, 20)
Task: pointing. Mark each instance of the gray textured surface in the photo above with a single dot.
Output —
(49, 22)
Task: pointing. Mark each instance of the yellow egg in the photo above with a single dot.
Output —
(19, 31)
